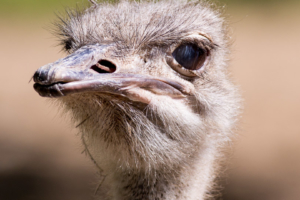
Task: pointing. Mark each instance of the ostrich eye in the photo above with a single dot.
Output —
(190, 56)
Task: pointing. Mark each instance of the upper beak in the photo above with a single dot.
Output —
(90, 70)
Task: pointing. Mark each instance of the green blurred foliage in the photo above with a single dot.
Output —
(43, 8)
(258, 2)
(31, 8)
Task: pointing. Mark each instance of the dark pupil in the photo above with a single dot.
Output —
(190, 56)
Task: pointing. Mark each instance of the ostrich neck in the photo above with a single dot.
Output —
(190, 182)
(138, 170)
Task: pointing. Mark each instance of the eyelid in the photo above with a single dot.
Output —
(198, 38)
(183, 71)
(178, 68)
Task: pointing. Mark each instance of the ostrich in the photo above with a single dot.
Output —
(147, 83)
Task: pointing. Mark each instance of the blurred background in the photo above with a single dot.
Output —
(40, 152)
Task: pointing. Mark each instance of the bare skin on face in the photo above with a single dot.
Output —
(148, 84)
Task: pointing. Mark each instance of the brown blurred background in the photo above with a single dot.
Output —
(40, 152)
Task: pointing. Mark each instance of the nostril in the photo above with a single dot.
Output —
(40, 76)
(104, 66)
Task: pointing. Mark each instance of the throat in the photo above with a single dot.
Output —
(140, 186)
(190, 181)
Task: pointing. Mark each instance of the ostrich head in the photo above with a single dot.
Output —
(148, 85)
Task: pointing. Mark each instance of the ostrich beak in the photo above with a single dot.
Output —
(87, 70)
